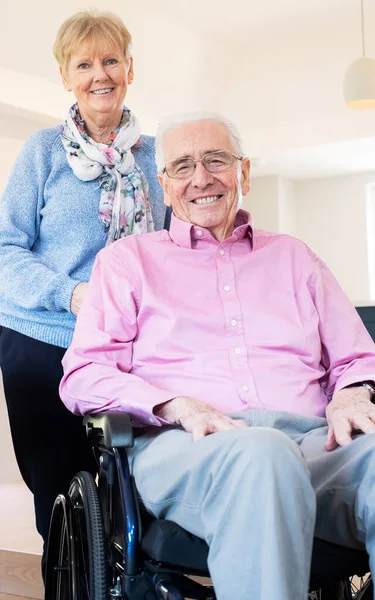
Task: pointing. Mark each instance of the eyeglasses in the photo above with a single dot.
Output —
(213, 162)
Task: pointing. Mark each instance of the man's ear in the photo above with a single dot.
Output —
(161, 178)
(130, 71)
(245, 176)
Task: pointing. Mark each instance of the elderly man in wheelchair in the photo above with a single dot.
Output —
(246, 376)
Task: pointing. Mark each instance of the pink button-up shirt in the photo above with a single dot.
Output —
(257, 321)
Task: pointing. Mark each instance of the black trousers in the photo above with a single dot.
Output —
(49, 441)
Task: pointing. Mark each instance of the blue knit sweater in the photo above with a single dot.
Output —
(50, 233)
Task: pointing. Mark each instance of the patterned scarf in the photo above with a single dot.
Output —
(124, 207)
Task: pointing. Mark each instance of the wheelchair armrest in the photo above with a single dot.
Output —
(113, 429)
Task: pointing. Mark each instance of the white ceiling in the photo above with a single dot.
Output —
(275, 66)
(325, 160)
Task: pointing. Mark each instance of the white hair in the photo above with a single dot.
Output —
(173, 121)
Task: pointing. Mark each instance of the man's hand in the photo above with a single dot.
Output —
(77, 297)
(196, 417)
(350, 409)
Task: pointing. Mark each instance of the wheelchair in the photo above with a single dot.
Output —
(103, 546)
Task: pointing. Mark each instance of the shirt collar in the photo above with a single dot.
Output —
(184, 233)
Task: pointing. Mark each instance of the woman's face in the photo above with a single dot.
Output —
(99, 78)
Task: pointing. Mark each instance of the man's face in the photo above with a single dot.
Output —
(222, 191)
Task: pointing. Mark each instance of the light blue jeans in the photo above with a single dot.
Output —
(258, 496)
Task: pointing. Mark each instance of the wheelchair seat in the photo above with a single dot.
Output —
(166, 542)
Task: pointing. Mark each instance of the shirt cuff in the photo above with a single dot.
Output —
(143, 415)
(354, 380)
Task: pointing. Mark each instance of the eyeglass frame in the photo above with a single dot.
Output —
(197, 160)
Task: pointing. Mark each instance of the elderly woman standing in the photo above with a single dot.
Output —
(73, 190)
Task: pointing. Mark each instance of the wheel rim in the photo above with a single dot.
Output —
(63, 566)
(361, 588)
(60, 573)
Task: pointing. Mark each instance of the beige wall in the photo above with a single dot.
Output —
(9, 148)
(9, 472)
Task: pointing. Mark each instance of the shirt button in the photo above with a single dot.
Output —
(245, 388)
(151, 421)
(233, 322)
(198, 232)
(227, 288)
(221, 252)
(237, 350)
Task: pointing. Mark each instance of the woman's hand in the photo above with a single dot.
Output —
(77, 297)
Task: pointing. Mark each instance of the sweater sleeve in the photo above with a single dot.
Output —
(24, 278)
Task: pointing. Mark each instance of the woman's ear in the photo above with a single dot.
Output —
(66, 83)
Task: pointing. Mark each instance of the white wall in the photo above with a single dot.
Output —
(331, 218)
(263, 202)
(271, 203)
(287, 201)
(329, 214)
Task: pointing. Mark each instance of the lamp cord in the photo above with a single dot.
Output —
(363, 30)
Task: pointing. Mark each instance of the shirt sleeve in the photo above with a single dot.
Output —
(25, 279)
(98, 364)
(348, 352)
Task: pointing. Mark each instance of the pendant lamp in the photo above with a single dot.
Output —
(359, 82)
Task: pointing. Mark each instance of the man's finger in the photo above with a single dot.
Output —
(342, 430)
(200, 430)
(206, 426)
(212, 425)
(239, 424)
(223, 424)
(364, 423)
(331, 443)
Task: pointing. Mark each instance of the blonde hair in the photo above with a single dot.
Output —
(94, 26)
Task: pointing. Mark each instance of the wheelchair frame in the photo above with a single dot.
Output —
(95, 542)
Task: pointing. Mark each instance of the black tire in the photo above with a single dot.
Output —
(60, 565)
(90, 548)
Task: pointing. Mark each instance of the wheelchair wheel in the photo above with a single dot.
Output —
(60, 572)
(90, 555)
